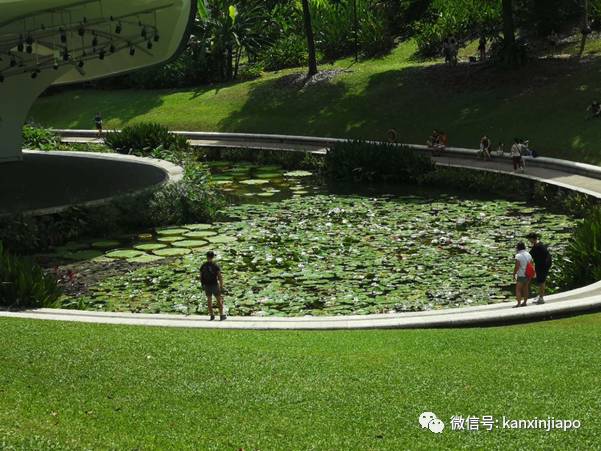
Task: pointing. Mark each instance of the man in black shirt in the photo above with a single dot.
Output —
(542, 263)
(212, 284)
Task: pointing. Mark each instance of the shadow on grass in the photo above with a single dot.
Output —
(545, 101)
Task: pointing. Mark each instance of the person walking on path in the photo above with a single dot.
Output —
(98, 122)
(212, 284)
(485, 148)
(523, 266)
(542, 263)
(516, 155)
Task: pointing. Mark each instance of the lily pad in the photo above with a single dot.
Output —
(109, 244)
(199, 234)
(145, 236)
(124, 254)
(170, 231)
(199, 226)
(149, 246)
(172, 252)
(298, 174)
(221, 239)
(190, 243)
(145, 259)
(169, 239)
(254, 182)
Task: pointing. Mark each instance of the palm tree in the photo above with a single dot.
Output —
(310, 39)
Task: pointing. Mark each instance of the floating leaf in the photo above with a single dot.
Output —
(171, 252)
(298, 174)
(170, 231)
(124, 254)
(149, 246)
(254, 182)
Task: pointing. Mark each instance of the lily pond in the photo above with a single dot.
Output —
(290, 246)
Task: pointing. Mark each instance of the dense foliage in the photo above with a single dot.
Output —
(582, 264)
(363, 161)
(23, 284)
(144, 138)
(39, 138)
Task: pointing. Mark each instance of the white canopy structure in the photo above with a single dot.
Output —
(53, 42)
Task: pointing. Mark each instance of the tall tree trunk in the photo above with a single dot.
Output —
(310, 39)
(585, 29)
(509, 33)
(229, 63)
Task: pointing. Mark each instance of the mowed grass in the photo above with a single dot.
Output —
(81, 386)
(545, 101)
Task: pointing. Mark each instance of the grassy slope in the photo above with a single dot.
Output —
(545, 102)
(120, 387)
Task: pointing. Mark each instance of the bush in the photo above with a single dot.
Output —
(457, 18)
(145, 138)
(39, 138)
(582, 261)
(362, 161)
(23, 284)
(289, 51)
(250, 71)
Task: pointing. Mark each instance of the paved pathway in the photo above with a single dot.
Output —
(583, 300)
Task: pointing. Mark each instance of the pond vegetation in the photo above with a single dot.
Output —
(290, 245)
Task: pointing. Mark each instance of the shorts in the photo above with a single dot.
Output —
(522, 280)
(98, 125)
(541, 275)
(211, 290)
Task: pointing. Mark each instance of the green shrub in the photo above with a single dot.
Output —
(23, 284)
(250, 71)
(144, 138)
(582, 262)
(362, 161)
(39, 138)
(288, 51)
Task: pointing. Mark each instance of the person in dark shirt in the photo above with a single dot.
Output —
(542, 263)
(98, 122)
(212, 284)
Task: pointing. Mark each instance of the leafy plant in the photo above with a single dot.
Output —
(145, 138)
(288, 51)
(39, 138)
(582, 263)
(23, 284)
(363, 161)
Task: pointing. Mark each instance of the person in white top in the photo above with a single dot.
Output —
(516, 155)
(522, 282)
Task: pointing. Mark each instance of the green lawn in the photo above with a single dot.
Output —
(81, 386)
(545, 101)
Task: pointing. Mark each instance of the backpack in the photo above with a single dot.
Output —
(530, 272)
(208, 274)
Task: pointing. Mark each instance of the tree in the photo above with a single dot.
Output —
(310, 38)
(586, 28)
(509, 47)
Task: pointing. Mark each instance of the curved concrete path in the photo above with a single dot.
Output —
(570, 175)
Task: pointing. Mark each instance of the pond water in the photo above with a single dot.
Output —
(290, 246)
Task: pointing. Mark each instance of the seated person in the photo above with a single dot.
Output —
(443, 141)
(433, 140)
